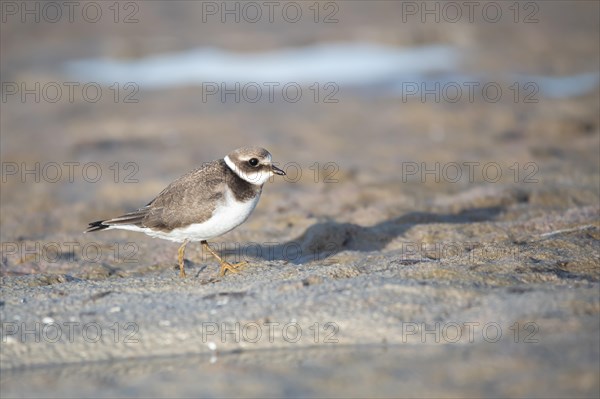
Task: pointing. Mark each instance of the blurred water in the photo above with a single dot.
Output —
(383, 70)
(342, 371)
(563, 86)
(345, 64)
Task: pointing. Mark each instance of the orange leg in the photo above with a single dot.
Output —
(225, 266)
(180, 255)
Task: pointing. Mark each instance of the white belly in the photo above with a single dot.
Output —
(226, 216)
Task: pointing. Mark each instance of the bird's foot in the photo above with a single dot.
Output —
(231, 267)
(181, 271)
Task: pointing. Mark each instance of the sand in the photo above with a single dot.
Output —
(373, 270)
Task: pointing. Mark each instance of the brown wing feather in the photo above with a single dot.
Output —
(192, 198)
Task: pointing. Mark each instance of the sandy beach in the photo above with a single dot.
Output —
(420, 245)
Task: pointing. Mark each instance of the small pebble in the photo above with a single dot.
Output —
(10, 340)
(223, 301)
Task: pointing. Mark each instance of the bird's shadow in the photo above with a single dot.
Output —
(325, 239)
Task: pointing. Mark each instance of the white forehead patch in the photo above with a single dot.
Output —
(255, 177)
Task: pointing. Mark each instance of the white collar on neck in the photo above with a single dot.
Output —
(257, 178)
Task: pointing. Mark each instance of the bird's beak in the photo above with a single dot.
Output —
(277, 171)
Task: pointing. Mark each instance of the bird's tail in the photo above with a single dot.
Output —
(134, 218)
(96, 226)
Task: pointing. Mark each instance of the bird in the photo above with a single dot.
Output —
(204, 203)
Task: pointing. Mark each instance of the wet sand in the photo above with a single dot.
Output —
(376, 271)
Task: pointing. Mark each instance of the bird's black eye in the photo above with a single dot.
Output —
(253, 162)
